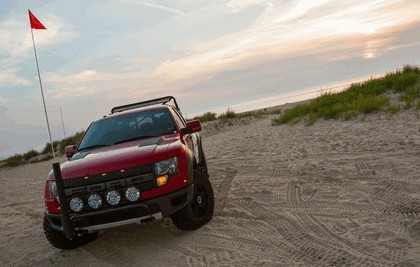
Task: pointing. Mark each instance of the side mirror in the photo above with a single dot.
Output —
(192, 127)
(70, 151)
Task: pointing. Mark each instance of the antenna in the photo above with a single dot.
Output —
(62, 123)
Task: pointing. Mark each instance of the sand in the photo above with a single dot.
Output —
(338, 193)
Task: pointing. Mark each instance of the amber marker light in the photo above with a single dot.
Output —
(86, 177)
(121, 171)
(103, 174)
(162, 180)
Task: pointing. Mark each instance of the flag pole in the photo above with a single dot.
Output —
(42, 93)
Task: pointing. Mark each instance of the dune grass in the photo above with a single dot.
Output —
(230, 115)
(360, 98)
(208, 116)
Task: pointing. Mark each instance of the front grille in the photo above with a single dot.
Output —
(141, 177)
(144, 187)
(144, 183)
(112, 175)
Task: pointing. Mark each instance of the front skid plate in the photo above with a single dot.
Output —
(98, 227)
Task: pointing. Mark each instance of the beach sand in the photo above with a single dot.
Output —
(338, 193)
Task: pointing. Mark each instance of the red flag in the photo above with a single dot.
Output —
(35, 23)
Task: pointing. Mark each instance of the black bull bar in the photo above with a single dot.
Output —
(68, 228)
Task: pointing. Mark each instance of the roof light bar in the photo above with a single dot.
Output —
(162, 100)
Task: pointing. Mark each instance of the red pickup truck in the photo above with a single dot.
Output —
(142, 162)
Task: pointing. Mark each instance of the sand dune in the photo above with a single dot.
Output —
(332, 194)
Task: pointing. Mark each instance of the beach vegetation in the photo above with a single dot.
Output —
(228, 117)
(208, 116)
(14, 161)
(33, 156)
(360, 98)
(30, 154)
(229, 114)
(393, 109)
(72, 140)
(276, 111)
(255, 114)
(47, 147)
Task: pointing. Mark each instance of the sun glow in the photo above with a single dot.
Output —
(369, 55)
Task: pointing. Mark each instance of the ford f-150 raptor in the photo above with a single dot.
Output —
(142, 162)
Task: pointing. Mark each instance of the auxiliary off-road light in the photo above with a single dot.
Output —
(95, 201)
(132, 193)
(113, 197)
(76, 204)
(162, 180)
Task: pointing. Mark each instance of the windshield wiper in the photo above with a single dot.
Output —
(136, 138)
(92, 147)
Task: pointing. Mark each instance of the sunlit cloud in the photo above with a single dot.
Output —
(85, 75)
(280, 30)
(88, 76)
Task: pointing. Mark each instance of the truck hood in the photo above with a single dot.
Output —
(134, 153)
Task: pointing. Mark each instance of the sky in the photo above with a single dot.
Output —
(210, 55)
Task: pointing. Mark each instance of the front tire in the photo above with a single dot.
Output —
(200, 210)
(202, 165)
(60, 241)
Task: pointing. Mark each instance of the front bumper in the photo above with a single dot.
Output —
(150, 209)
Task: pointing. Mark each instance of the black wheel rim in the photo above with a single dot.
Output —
(199, 202)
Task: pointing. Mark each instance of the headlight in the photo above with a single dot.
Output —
(53, 189)
(113, 197)
(76, 204)
(167, 166)
(95, 201)
(132, 193)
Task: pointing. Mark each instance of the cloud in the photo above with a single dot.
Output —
(291, 29)
(81, 77)
(89, 76)
(157, 6)
(238, 5)
(16, 43)
(3, 100)
(66, 93)
(85, 75)
(10, 78)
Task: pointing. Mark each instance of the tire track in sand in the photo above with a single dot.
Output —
(325, 237)
(223, 191)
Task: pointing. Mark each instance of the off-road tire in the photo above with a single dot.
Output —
(60, 241)
(200, 210)
(202, 165)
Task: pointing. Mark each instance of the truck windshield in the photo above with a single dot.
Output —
(125, 128)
